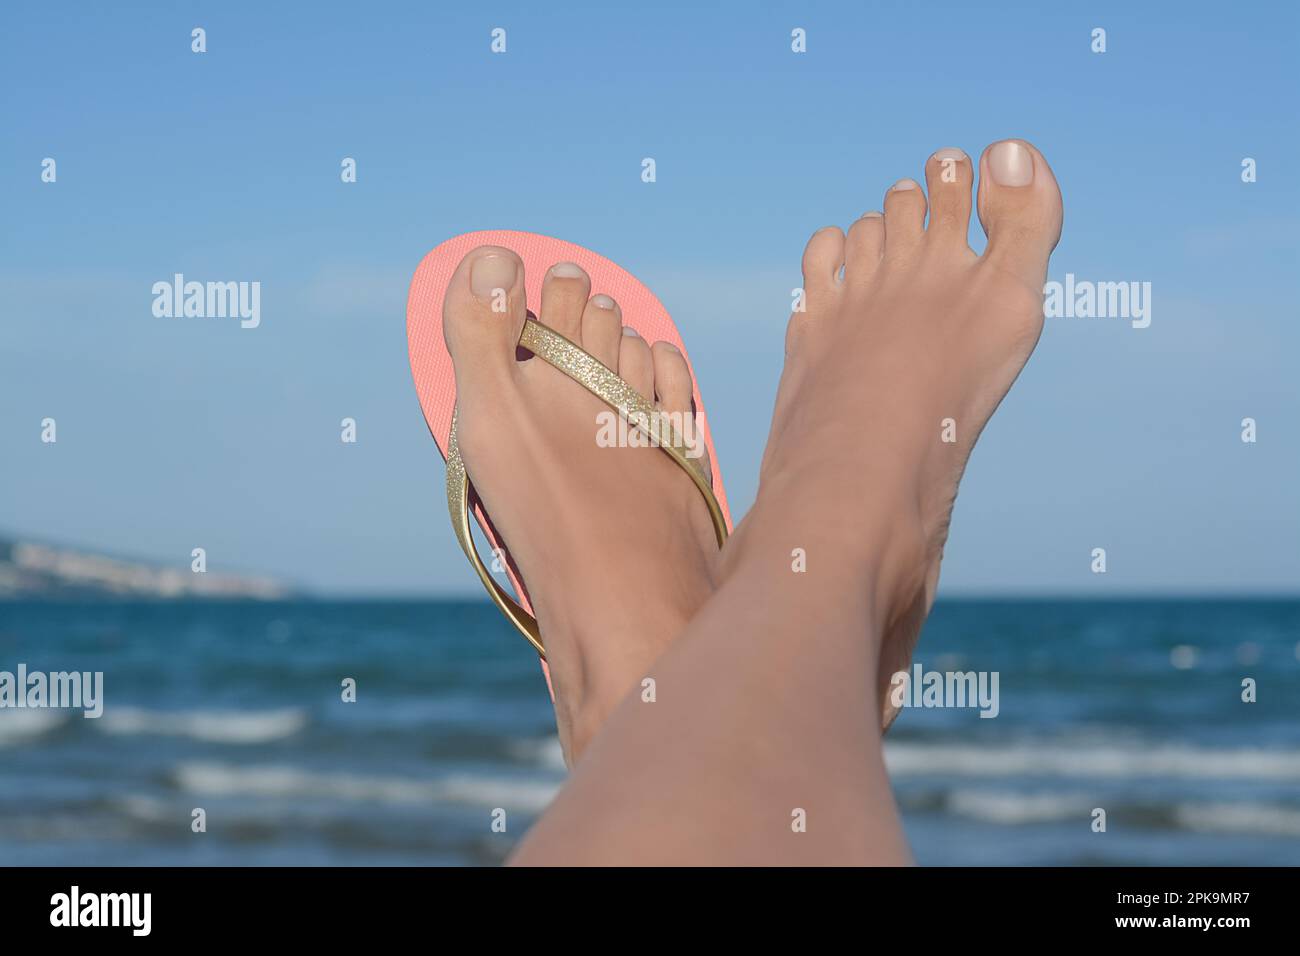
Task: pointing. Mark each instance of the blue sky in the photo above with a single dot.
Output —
(181, 433)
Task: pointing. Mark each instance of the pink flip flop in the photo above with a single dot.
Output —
(435, 383)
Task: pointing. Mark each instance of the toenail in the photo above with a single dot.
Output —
(567, 270)
(490, 275)
(602, 301)
(873, 215)
(904, 184)
(1010, 164)
(949, 152)
(628, 330)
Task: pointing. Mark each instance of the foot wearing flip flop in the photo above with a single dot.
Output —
(615, 544)
(908, 344)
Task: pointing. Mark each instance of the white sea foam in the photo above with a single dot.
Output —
(522, 796)
(22, 726)
(1010, 808)
(1262, 819)
(216, 779)
(1064, 759)
(480, 790)
(541, 751)
(145, 808)
(211, 726)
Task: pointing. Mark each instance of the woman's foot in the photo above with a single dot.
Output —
(908, 343)
(615, 545)
(761, 754)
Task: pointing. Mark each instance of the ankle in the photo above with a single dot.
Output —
(863, 548)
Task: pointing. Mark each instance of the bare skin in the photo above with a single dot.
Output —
(768, 704)
(615, 545)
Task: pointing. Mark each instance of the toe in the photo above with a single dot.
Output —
(602, 327)
(948, 178)
(674, 389)
(672, 378)
(483, 310)
(862, 248)
(822, 260)
(635, 366)
(564, 296)
(1020, 209)
(904, 216)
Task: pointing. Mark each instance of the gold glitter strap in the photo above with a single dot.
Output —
(592, 375)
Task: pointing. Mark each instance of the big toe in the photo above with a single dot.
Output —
(483, 310)
(1020, 209)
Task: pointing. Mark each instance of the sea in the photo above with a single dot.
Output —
(1128, 732)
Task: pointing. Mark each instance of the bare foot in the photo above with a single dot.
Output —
(615, 545)
(898, 363)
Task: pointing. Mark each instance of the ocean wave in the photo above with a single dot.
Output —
(1064, 759)
(146, 809)
(22, 726)
(479, 790)
(212, 726)
(540, 751)
(225, 780)
(1011, 808)
(1260, 819)
(518, 796)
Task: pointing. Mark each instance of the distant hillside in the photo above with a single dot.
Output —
(33, 569)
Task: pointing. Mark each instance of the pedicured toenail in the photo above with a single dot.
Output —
(1010, 164)
(873, 215)
(628, 330)
(949, 152)
(602, 301)
(904, 184)
(567, 270)
(490, 277)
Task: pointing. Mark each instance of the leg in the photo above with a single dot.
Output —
(770, 701)
(765, 706)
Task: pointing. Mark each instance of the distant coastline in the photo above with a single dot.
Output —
(31, 569)
(34, 569)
